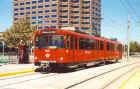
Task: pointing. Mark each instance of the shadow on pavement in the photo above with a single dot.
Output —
(69, 70)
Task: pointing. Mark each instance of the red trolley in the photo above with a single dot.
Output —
(61, 48)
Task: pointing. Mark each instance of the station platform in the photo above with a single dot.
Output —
(15, 69)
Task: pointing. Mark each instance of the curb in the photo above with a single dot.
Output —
(16, 73)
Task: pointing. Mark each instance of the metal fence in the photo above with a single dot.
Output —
(9, 57)
(12, 58)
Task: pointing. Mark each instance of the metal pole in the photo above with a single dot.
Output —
(128, 38)
(3, 47)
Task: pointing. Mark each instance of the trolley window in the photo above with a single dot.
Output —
(87, 44)
(101, 45)
(97, 44)
(108, 46)
(40, 41)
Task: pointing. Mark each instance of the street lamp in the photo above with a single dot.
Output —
(128, 38)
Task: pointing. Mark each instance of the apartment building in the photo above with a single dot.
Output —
(84, 15)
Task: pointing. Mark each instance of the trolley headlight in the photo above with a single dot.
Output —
(61, 58)
(47, 55)
(35, 57)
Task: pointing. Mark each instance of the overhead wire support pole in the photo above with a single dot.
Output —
(128, 38)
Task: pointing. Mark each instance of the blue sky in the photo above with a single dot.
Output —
(114, 18)
(5, 14)
(115, 14)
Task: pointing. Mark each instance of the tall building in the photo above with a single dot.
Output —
(84, 15)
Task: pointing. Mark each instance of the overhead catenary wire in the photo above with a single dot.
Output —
(130, 9)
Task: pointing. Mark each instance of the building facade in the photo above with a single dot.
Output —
(84, 15)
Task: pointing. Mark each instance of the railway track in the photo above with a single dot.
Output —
(102, 74)
(115, 79)
(53, 79)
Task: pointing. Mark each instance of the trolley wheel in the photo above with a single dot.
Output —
(47, 69)
(116, 60)
(38, 70)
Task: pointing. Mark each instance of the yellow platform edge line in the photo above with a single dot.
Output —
(126, 81)
(16, 73)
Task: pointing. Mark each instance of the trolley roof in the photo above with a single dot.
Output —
(74, 33)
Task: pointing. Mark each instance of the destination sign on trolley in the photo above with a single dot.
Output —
(46, 32)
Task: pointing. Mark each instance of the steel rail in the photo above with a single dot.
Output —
(73, 85)
(115, 79)
(23, 81)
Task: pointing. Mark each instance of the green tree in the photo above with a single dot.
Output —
(134, 46)
(22, 30)
(138, 50)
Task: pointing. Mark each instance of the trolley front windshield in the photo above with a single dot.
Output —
(49, 41)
